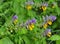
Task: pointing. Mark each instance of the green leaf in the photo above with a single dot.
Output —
(54, 25)
(26, 40)
(23, 31)
(58, 42)
(54, 37)
(20, 40)
(44, 40)
(37, 42)
(6, 41)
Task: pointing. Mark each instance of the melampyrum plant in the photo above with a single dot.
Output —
(29, 22)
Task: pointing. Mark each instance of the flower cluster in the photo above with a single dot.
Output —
(48, 20)
(42, 6)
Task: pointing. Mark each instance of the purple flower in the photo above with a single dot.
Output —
(53, 18)
(31, 21)
(15, 17)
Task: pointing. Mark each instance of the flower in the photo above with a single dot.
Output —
(44, 6)
(29, 5)
(30, 28)
(45, 26)
(47, 33)
(30, 24)
(47, 20)
(31, 21)
(15, 19)
(52, 18)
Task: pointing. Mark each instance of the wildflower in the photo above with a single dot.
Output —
(29, 5)
(52, 18)
(44, 6)
(33, 21)
(30, 24)
(47, 33)
(15, 19)
(30, 27)
(48, 20)
(45, 26)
